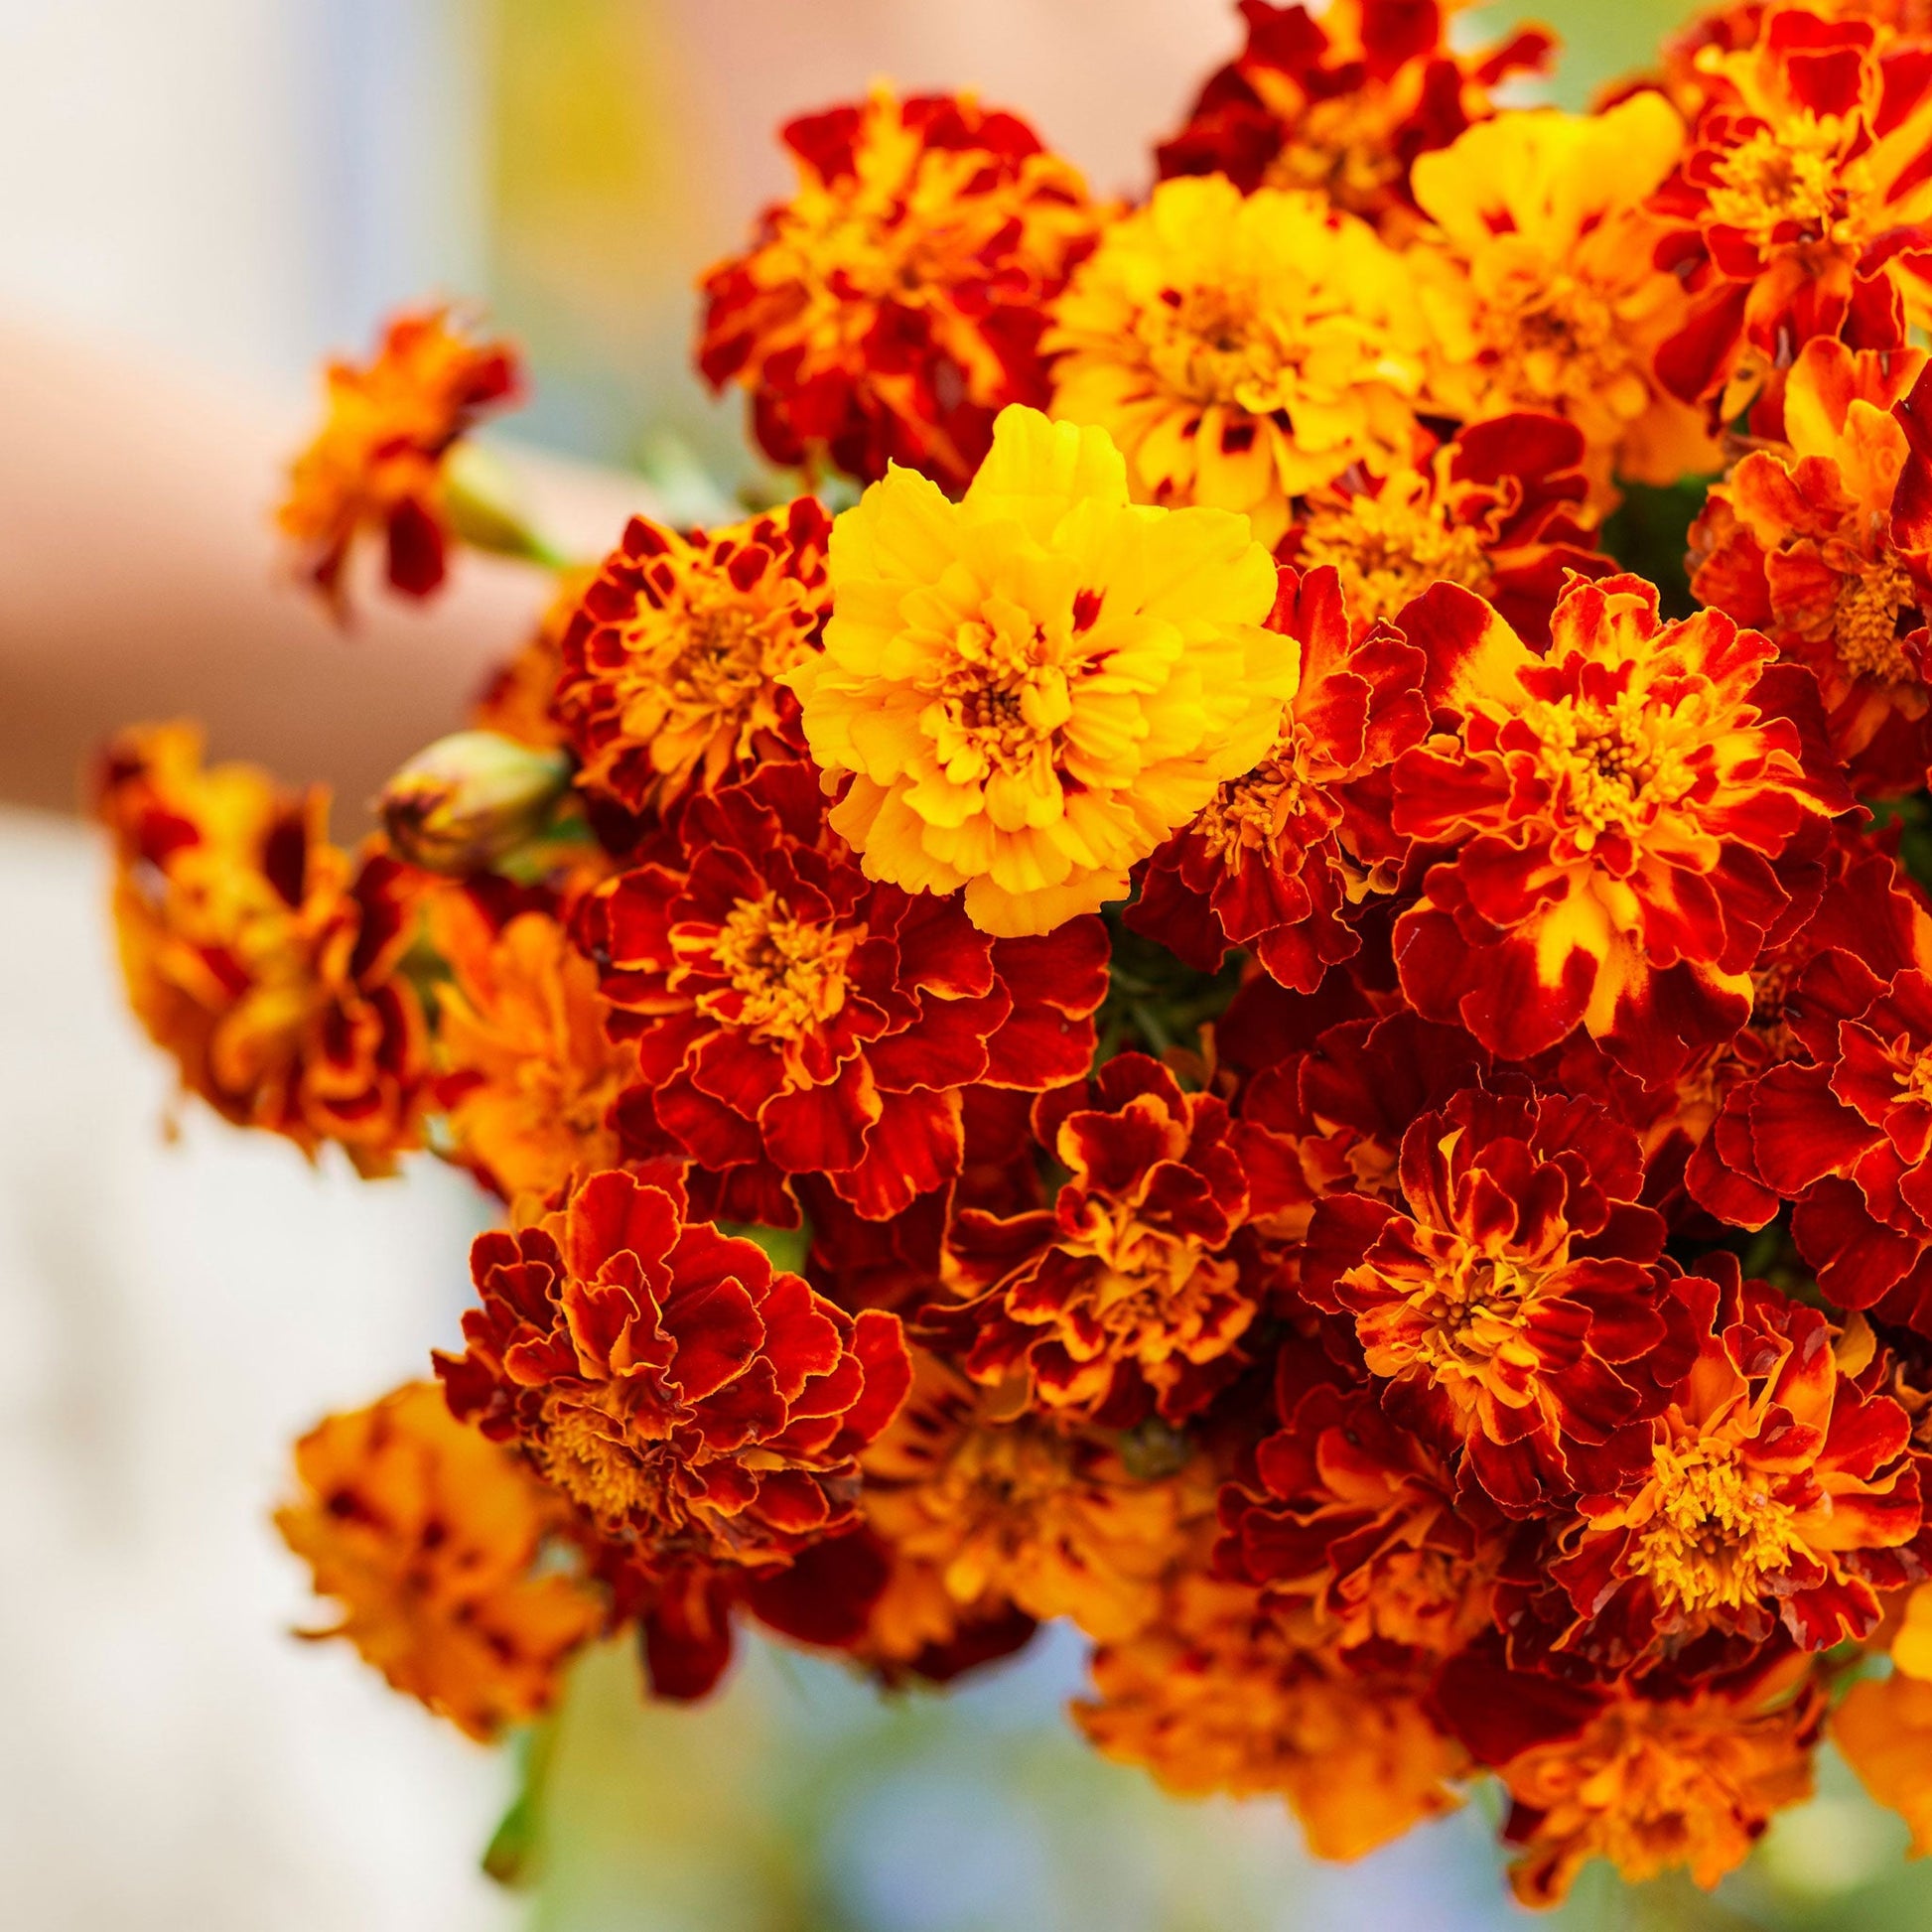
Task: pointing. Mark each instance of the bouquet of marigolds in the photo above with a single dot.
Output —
(1233, 1006)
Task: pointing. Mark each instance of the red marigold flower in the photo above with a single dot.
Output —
(793, 1018)
(1621, 819)
(669, 662)
(1130, 1285)
(894, 306)
(1278, 857)
(687, 1400)
(434, 1543)
(1777, 1491)
(1652, 1775)
(262, 957)
(378, 461)
(1845, 1126)
(1219, 1694)
(1800, 203)
(1343, 100)
(1825, 545)
(1365, 1520)
(1515, 1295)
(1501, 508)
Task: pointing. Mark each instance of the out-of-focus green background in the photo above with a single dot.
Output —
(799, 1800)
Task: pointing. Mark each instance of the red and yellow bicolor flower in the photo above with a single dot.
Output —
(1618, 822)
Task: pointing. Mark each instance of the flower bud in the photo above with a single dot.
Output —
(466, 801)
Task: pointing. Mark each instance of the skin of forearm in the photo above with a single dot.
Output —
(141, 578)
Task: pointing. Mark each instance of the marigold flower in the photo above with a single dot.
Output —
(1343, 101)
(792, 1018)
(1364, 1520)
(1844, 1127)
(261, 957)
(1218, 1695)
(1280, 857)
(1018, 1511)
(1501, 508)
(1824, 545)
(1884, 1730)
(1241, 350)
(1513, 1293)
(1623, 820)
(894, 303)
(527, 1072)
(430, 1538)
(1799, 208)
(684, 1398)
(1687, 1778)
(1777, 1491)
(670, 659)
(1127, 1286)
(379, 462)
(1541, 289)
(1033, 687)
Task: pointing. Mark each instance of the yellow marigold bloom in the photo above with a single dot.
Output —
(1223, 1694)
(1031, 687)
(528, 1073)
(1018, 1511)
(1884, 1730)
(1542, 285)
(428, 1535)
(1241, 350)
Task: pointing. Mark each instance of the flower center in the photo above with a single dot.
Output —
(1866, 624)
(1000, 696)
(787, 976)
(1155, 1294)
(1557, 336)
(1793, 174)
(1610, 767)
(1390, 547)
(1341, 148)
(1211, 346)
(1252, 813)
(1472, 1311)
(1718, 1535)
(586, 1451)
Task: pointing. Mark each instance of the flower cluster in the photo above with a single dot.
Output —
(1224, 1009)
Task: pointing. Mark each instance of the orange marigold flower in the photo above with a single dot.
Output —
(1776, 1491)
(1823, 543)
(1241, 350)
(687, 1400)
(1501, 508)
(792, 1018)
(894, 305)
(1219, 1695)
(1033, 687)
(670, 661)
(1342, 102)
(1682, 1777)
(1128, 1286)
(1541, 286)
(1365, 1520)
(1280, 858)
(1513, 1293)
(1622, 821)
(432, 1540)
(1884, 1730)
(379, 462)
(263, 958)
(527, 1072)
(1800, 206)
(1017, 1511)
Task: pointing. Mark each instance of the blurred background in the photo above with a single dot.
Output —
(220, 190)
